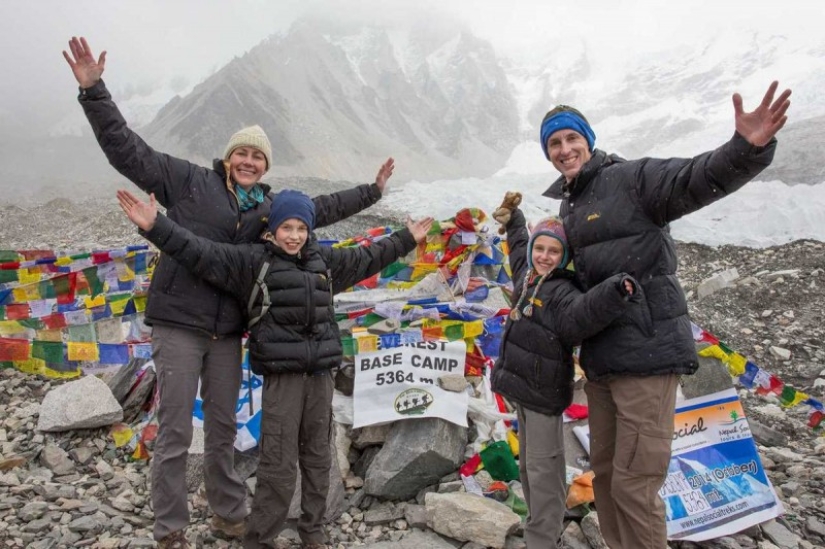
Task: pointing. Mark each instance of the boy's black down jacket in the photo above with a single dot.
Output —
(198, 199)
(616, 215)
(535, 368)
(298, 333)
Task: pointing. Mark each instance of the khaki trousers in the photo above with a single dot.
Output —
(542, 476)
(182, 357)
(631, 431)
(295, 428)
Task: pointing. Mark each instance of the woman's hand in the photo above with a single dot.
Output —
(140, 213)
(86, 69)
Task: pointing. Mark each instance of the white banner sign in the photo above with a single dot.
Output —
(402, 382)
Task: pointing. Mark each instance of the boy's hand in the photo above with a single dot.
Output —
(420, 228)
(628, 287)
(141, 214)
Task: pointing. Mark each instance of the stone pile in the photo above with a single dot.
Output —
(397, 486)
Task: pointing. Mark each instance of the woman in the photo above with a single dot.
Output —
(196, 328)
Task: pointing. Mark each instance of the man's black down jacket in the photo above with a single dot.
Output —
(616, 215)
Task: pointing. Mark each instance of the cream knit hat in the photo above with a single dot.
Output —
(253, 136)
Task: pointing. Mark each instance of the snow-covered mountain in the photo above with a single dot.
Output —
(335, 103)
(678, 102)
(336, 99)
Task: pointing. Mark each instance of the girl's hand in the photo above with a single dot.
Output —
(140, 213)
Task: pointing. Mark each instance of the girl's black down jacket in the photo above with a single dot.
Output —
(616, 215)
(298, 333)
(535, 368)
(198, 199)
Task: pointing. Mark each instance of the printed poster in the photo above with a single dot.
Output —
(402, 383)
(716, 485)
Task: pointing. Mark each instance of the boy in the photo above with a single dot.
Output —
(293, 342)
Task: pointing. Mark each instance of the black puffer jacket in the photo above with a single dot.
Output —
(616, 215)
(298, 333)
(198, 199)
(535, 368)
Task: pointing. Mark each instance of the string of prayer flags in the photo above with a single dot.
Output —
(754, 378)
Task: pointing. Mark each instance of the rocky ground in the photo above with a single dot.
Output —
(76, 489)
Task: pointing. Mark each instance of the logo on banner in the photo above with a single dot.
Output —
(413, 402)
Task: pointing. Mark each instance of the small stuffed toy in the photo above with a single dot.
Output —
(502, 214)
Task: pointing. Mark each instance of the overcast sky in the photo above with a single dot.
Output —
(183, 41)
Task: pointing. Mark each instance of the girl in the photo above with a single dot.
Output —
(535, 369)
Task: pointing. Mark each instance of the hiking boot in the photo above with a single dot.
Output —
(175, 540)
(222, 528)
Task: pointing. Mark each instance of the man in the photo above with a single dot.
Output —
(616, 215)
(197, 329)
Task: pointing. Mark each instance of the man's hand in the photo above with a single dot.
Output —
(140, 213)
(420, 228)
(759, 127)
(384, 173)
(86, 70)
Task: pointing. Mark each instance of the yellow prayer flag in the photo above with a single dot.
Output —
(122, 434)
(31, 366)
(82, 351)
(29, 292)
(92, 302)
(12, 327)
(140, 303)
(798, 398)
(714, 351)
(118, 306)
(63, 261)
(367, 344)
(28, 276)
(736, 364)
(474, 328)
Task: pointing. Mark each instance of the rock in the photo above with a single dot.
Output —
(592, 532)
(68, 407)
(716, 283)
(468, 517)
(56, 460)
(455, 383)
(780, 535)
(398, 474)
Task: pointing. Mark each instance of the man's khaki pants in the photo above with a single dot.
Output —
(182, 357)
(631, 431)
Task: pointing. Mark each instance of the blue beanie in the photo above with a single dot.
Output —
(289, 204)
(566, 120)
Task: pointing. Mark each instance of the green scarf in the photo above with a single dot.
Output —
(251, 198)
